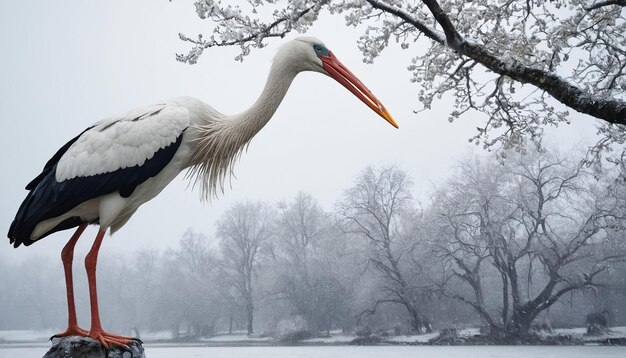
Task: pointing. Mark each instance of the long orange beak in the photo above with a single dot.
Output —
(342, 75)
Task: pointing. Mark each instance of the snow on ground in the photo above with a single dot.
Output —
(580, 333)
(235, 337)
(390, 352)
(333, 339)
(363, 352)
(573, 331)
(26, 335)
(621, 331)
(156, 336)
(423, 338)
(337, 337)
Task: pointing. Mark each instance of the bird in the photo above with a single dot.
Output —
(104, 174)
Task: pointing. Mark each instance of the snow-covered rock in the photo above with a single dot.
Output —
(86, 347)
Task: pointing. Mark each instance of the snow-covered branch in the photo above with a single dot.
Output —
(235, 27)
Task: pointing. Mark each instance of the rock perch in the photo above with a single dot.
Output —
(85, 347)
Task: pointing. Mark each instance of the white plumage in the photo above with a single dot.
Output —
(124, 141)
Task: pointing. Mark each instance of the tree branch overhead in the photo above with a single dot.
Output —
(572, 53)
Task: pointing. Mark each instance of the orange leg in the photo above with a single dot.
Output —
(96, 331)
(67, 256)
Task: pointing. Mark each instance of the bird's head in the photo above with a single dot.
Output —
(310, 54)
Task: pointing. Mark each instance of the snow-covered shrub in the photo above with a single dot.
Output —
(292, 329)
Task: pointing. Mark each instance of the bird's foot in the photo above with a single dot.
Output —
(71, 331)
(108, 339)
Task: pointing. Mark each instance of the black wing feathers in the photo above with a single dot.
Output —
(53, 161)
(49, 198)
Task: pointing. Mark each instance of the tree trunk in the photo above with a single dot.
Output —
(522, 323)
(418, 324)
(250, 309)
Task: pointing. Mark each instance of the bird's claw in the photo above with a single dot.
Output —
(107, 340)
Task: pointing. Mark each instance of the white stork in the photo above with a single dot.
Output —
(106, 172)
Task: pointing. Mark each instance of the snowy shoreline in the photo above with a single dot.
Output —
(569, 336)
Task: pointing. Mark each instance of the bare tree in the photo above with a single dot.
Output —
(301, 225)
(312, 265)
(371, 209)
(131, 281)
(244, 230)
(302, 222)
(5, 295)
(37, 292)
(505, 59)
(537, 222)
(189, 287)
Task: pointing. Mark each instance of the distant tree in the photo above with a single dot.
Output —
(131, 282)
(189, 289)
(372, 209)
(244, 230)
(538, 221)
(504, 59)
(309, 271)
(146, 271)
(5, 294)
(37, 292)
(300, 225)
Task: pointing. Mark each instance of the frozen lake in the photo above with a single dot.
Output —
(153, 351)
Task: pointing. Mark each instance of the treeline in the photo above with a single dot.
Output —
(536, 240)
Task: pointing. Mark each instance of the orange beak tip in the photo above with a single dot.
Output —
(389, 119)
(341, 74)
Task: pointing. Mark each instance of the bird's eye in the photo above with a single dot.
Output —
(320, 50)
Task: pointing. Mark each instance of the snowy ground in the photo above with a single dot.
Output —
(362, 352)
(33, 344)
(231, 338)
(30, 338)
(26, 336)
(580, 332)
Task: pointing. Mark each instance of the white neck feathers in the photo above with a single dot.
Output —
(221, 141)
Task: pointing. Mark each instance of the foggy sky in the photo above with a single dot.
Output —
(65, 65)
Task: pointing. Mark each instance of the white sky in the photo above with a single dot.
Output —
(67, 64)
